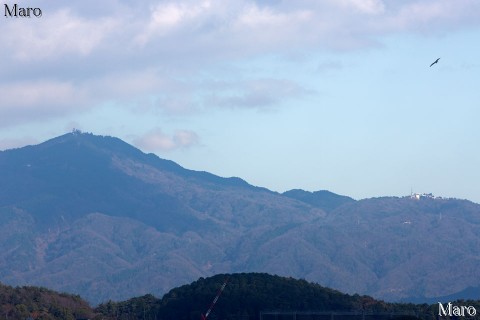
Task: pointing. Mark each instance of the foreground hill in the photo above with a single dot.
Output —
(95, 216)
(41, 303)
(246, 295)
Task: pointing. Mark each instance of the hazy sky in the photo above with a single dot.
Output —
(311, 94)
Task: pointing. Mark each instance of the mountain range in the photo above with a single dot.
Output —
(93, 215)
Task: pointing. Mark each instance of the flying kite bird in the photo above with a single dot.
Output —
(436, 61)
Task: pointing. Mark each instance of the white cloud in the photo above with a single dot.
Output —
(239, 28)
(169, 17)
(145, 91)
(265, 17)
(185, 138)
(125, 84)
(264, 29)
(11, 143)
(156, 140)
(54, 35)
(214, 28)
(434, 16)
(36, 100)
(154, 54)
(364, 6)
(256, 93)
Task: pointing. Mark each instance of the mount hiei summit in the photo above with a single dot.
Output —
(93, 215)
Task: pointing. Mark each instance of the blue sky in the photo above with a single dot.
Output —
(332, 94)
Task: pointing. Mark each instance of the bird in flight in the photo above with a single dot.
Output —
(436, 61)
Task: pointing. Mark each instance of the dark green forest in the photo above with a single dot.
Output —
(247, 296)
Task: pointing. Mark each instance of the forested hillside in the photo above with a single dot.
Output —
(246, 295)
(41, 303)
